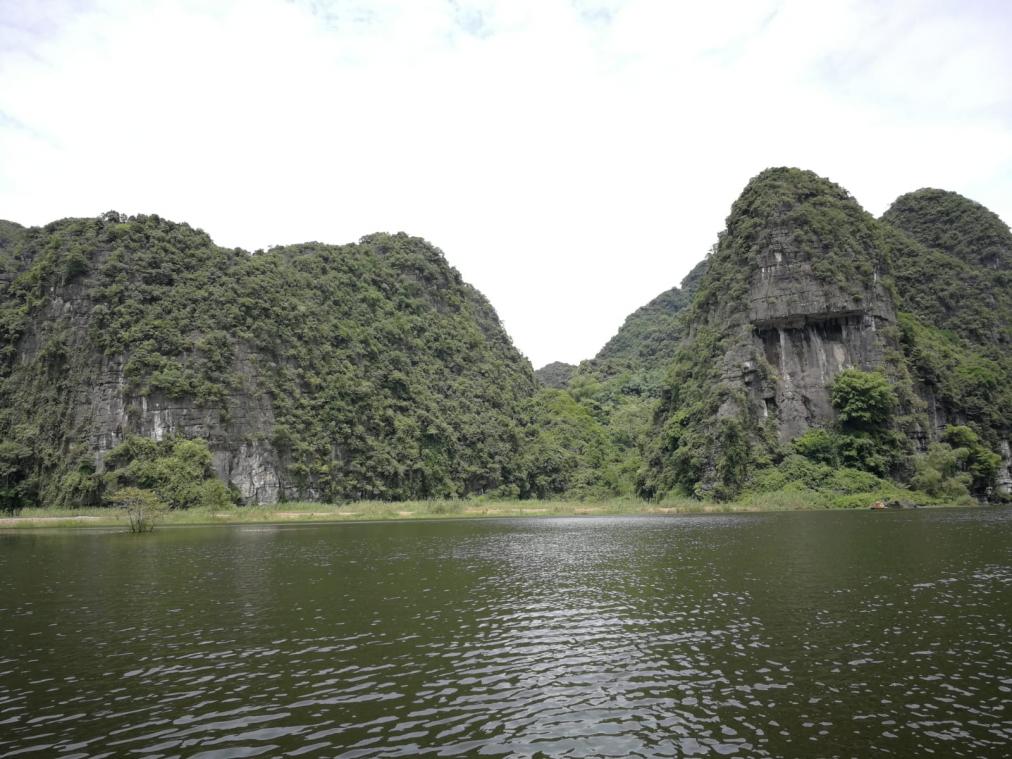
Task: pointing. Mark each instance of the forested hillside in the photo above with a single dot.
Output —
(613, 396)
(820, 350)
(315, 371)
(804, 364)
(815, 351)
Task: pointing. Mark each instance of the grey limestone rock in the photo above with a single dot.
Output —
(795, 331)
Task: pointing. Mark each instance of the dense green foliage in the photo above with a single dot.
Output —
(953, 265)
(372, 371)
(555, 375)
(969, 302)
(865, 404)
(956, 467)
(569, 451)
(824, 484)
(948, 222)
(973, 381)
(708, 440)
(386, 375)
(390, 377)
(178, 471)
(864, 401)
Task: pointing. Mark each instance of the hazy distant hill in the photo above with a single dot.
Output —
(651, 334)
(555, 374)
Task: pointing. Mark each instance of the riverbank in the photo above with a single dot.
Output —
(373, 511)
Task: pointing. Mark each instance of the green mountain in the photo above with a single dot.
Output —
(556, 374)
(650, 335)
(952, 263)
(817, 353)
(312, 371)
(822, 336)
(611, 400)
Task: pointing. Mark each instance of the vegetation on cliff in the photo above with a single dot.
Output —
(650, 336)
(719, 429)
(952, 260)
(708, 436)
(384, 374)
(556, 374)
(815, 353)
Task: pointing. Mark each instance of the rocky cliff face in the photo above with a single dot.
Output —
(808, 331)
(797, 294)
(801, 287)
(313, 372)
(238, 429)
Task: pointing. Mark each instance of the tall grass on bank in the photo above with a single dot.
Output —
(783, 500)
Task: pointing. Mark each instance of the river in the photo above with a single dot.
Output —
(790, 634)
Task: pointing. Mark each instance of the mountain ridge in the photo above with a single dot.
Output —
(372, 370)
(312, 371)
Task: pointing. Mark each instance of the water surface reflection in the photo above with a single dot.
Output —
(833, 634)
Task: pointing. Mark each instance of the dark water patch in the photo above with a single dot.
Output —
(816, 634)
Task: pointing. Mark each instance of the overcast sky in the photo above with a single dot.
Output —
(572, 158)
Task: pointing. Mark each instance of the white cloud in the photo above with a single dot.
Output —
(572, 159)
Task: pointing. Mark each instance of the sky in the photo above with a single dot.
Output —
(571, 158)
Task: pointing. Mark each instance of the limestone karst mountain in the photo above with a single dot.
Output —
(312, 371)
(816, 349)
(804, 285)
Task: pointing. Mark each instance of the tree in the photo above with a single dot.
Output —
(863, 400)
(12, 460)
(974, 458)
(176, 469)
(732, 459)
(817, 445)
(143, 507)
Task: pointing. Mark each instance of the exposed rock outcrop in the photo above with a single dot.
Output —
(802, 286)
(788, 329)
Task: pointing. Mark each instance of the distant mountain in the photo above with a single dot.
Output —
(651, 334)
(952, 267)
(555, 374)
(948, 222)
(952, 261)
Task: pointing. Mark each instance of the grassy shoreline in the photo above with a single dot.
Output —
(378, 511)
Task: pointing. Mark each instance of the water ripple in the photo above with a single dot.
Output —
(773, 635)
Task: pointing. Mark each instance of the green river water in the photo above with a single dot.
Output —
(783, 635)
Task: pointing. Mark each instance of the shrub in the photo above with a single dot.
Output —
(177, 470)
(974, 458)
(143, 507)
(817, 445)
(863, 400)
